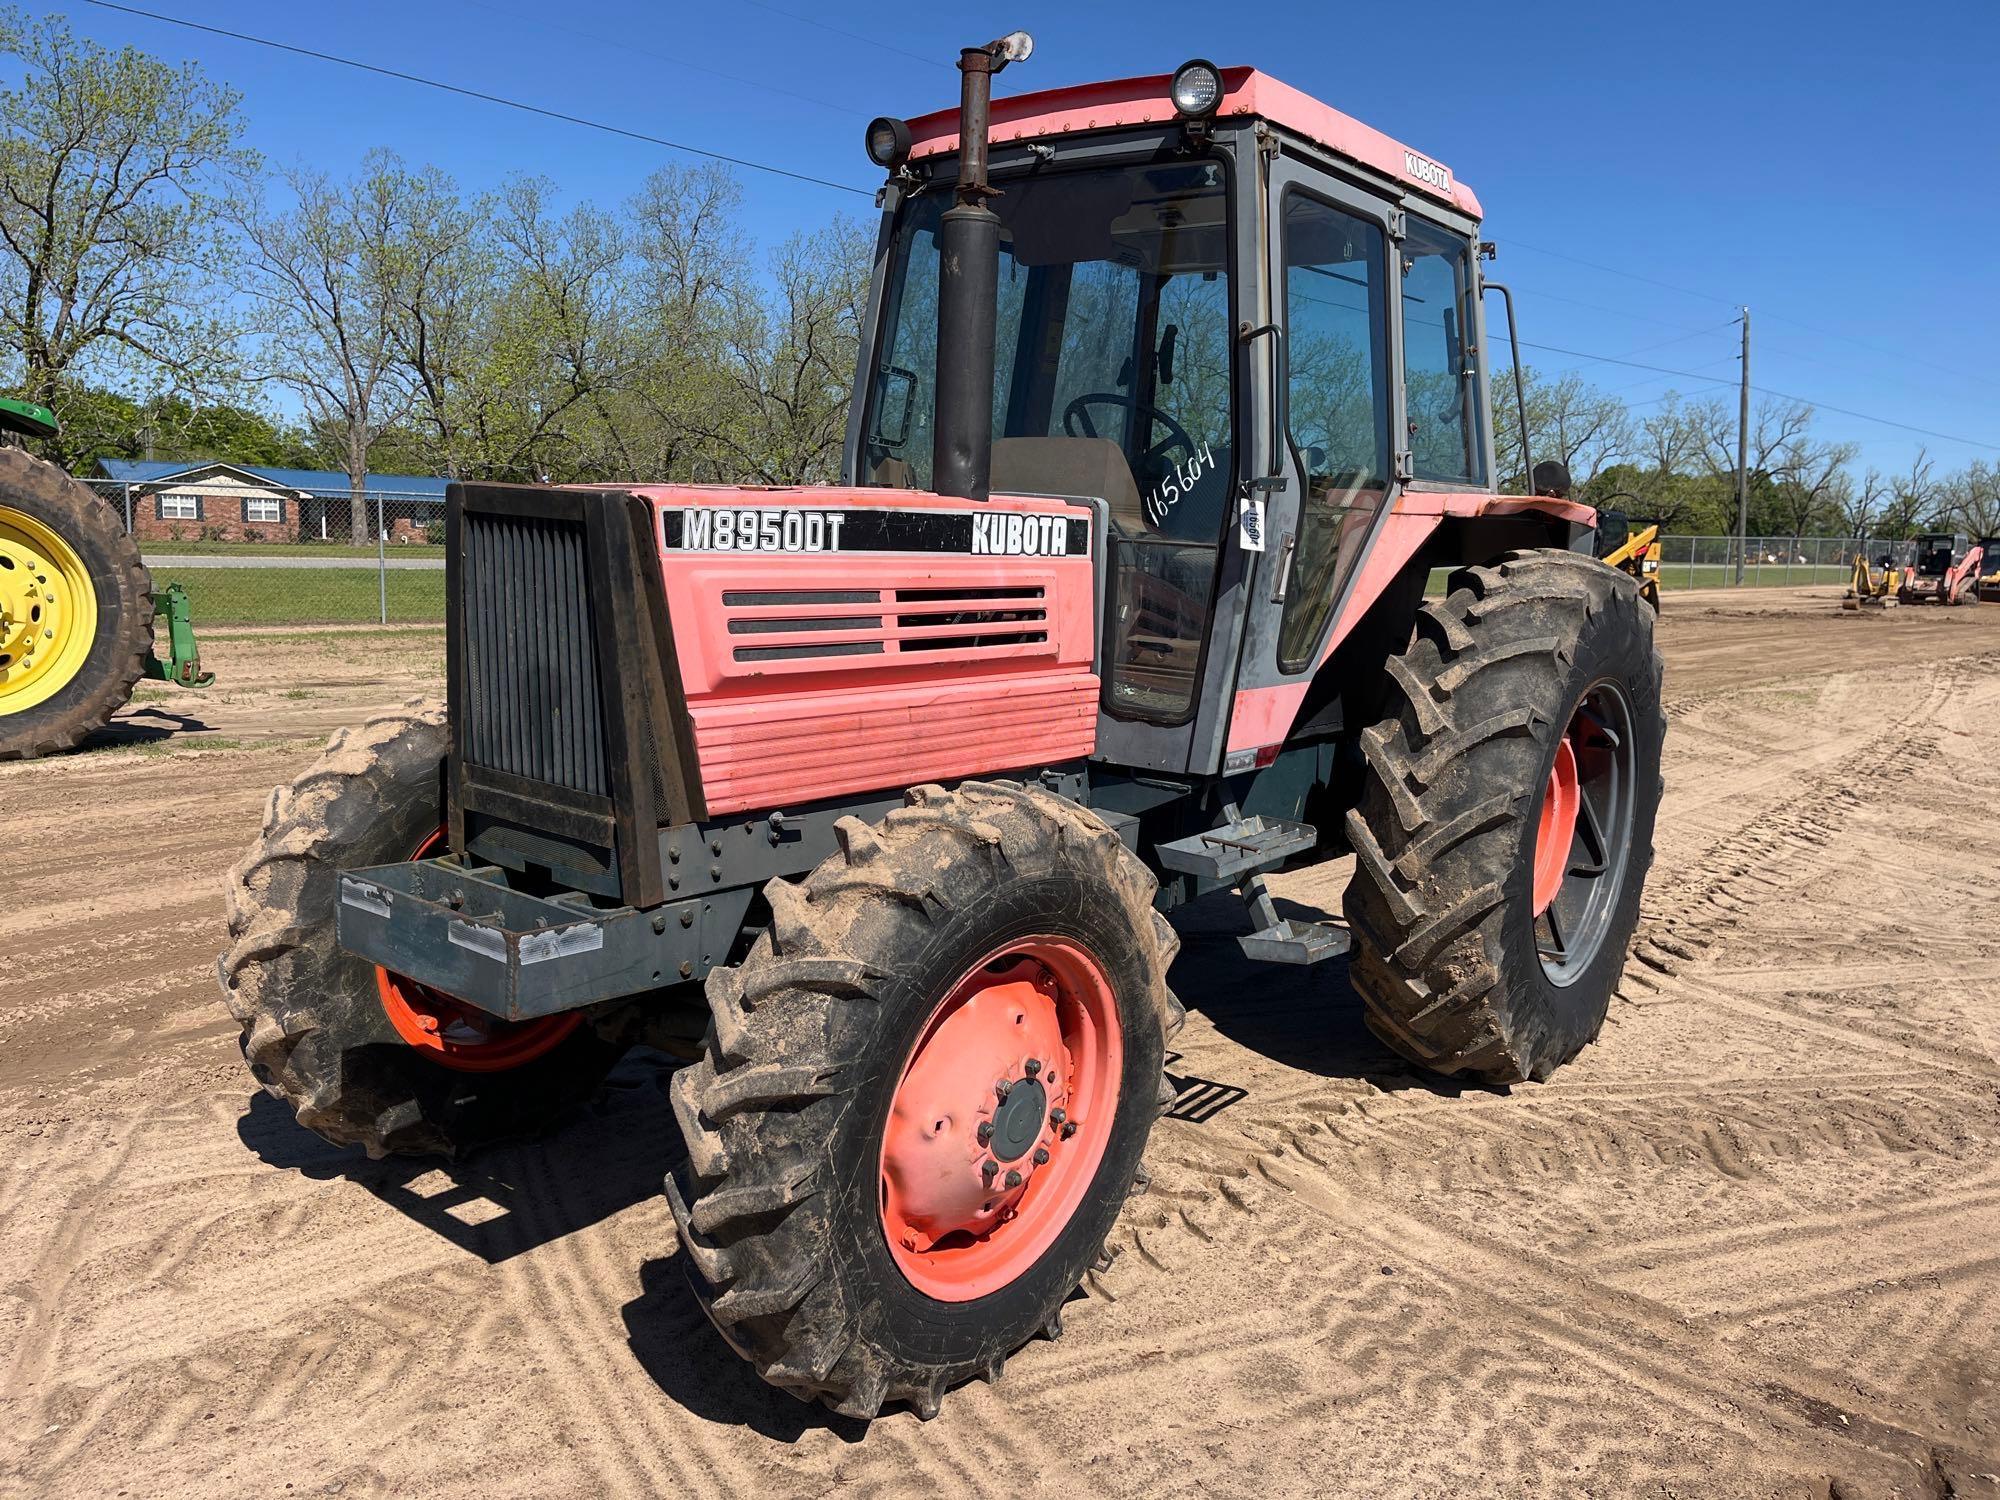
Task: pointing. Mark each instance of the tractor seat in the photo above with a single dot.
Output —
(1080, 466)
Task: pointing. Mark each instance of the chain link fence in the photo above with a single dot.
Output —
(251, 556)
(1709, 562)
(286, 556)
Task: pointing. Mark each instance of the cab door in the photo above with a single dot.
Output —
(1336, 429)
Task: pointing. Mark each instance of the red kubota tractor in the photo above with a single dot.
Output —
(1172, 394)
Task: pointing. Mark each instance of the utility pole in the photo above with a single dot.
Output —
(1743, 455)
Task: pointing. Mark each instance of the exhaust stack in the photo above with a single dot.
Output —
(968, 286)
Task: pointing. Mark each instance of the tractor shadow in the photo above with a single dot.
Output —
(1302, 1016)
(674, 1344)
(506, 1200)
(693, 1367)
(144, 724)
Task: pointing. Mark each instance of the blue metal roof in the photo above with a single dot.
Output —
(152, 470)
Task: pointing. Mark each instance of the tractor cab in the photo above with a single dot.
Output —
(1245, 322)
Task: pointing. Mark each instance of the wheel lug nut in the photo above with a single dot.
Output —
(1069, 1130)
(1041, 1155)
(988, 1167)
(1002, 1089)
(1032, 1066)
(1013, 1179)
(985, 1131)
(1057, 1116)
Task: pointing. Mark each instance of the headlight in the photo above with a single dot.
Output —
(1197, 89)
(888, 142)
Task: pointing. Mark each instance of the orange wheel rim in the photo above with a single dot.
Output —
(1001, 1118)
(1555, 833)
(462, 1036)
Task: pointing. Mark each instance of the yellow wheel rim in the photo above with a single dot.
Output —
(48, 612)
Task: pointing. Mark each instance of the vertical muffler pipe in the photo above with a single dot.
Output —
(968, 287)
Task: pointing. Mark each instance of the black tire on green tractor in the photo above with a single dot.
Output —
(76, 611)
(1506, 822)
(362, 1057)
(885, 1192)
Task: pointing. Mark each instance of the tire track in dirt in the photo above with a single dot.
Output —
(1245, 1340)
(1629, 1339)
(1378, 1150)
(1687, 912)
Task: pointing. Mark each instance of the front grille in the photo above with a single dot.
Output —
(529, 635)
(915, 620)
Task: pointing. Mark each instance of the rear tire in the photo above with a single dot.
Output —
(315, 1029)
(122, 638)
(781, 1206)
(1449, 958)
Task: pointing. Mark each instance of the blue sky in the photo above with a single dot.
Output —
(1834, 165)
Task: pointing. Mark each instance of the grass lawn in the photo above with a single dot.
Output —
(283, 549)
(349, 596)
(305, 596)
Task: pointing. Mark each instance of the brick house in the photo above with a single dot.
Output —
(207, 500)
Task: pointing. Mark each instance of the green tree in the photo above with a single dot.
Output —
(324, 274)
(792, 361)
(1569, 420)
(114, 167)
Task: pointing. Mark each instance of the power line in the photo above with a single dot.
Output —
(1605, 359)
(852, 36)
(1536, 294)
(1727, 359)
(626, 46)
(1684, 291)
(1615, 271)
(1682, 339)
(485, 98)
(1873, 348)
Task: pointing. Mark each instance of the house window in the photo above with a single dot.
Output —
(263, 508)
(180, 507)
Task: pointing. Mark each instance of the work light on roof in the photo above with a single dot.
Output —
(1197, 89)
(888, 141)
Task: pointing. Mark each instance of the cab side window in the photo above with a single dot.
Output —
(1336, 331)
(1438, 378)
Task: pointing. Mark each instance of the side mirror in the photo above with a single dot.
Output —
(894, 400)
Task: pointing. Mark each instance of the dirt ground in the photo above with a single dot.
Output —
(1749, 1244)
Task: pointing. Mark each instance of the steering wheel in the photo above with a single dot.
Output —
(1077, 414)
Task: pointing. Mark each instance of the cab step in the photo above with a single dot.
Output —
(1289, 942)
(1280, 940)
(1238, 847)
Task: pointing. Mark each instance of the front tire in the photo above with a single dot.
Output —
(855, 1167)
(1505, 825)
(362, 1056)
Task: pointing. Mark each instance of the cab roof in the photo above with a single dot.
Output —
(1246, 92)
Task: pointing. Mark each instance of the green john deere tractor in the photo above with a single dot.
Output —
(76, 604)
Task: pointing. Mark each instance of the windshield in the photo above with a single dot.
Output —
(1113, 324)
